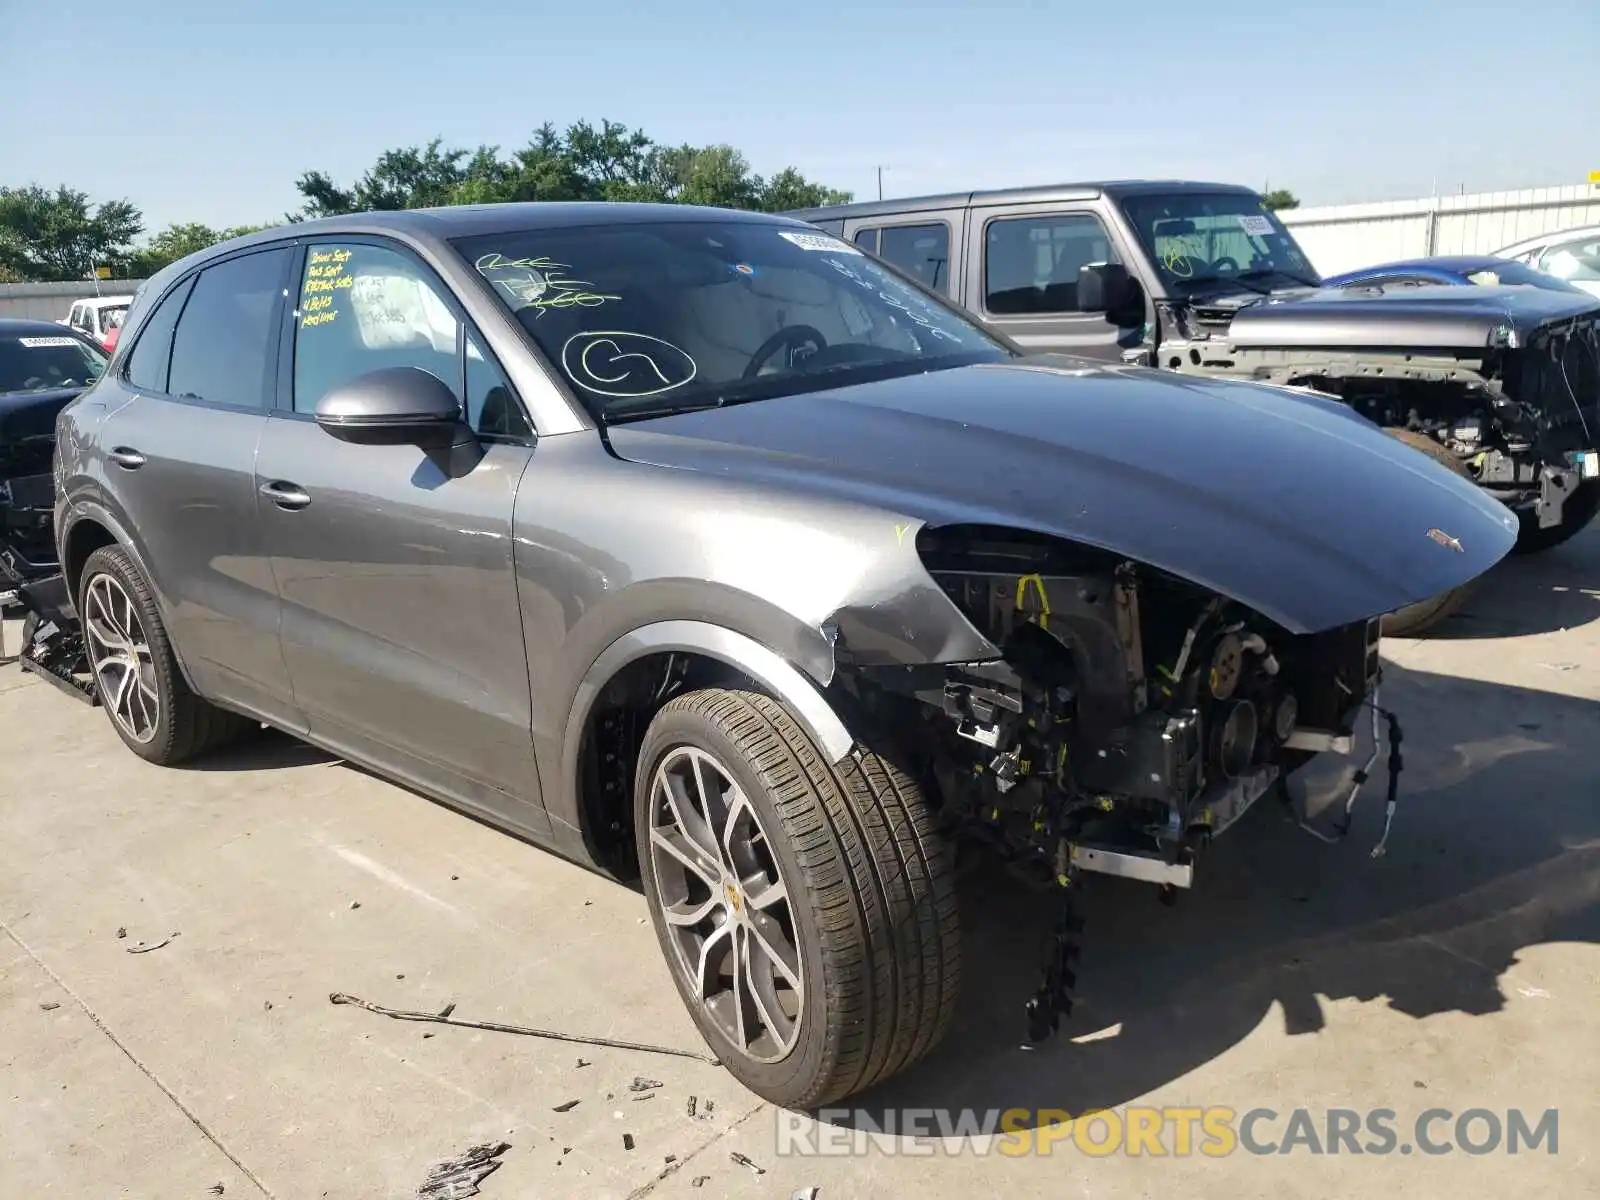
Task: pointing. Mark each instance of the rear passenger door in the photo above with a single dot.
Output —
(180, 464)
(926, 246)
(1022, 278)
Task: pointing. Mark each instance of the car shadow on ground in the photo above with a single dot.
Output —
(263, 750)
(1495, 848)
(1536, 593)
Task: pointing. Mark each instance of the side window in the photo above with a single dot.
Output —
(147, 364)
(75, 317)
(492, 408)
(867, 239)
(1573, 261)
(366, 308)
(1030, 264)
(922, 251)
(223, 347)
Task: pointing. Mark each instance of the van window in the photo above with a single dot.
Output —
(1030, 264)
(922, 251)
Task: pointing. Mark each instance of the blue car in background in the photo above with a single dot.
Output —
(1484, 270)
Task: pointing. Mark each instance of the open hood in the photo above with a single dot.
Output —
(1289, 504)
(1444, 317)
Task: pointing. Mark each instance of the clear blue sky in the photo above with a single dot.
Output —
(227, 101)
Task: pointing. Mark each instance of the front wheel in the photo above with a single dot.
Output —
(807, 911)
(1414, 620)
(1576, 514)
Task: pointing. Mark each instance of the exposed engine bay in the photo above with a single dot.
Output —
(1520, 410)
(1132, 717)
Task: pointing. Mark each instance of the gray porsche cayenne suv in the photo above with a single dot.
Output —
(703, 548)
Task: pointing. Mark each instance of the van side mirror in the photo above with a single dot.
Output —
(1105, 288)
(396, 404)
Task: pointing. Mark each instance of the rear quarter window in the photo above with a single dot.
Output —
(152, 350)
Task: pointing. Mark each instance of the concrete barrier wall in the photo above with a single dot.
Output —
(1346, 236)
(51, 301)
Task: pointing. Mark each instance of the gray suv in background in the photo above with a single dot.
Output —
(701, 548)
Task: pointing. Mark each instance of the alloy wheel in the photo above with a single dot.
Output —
(119, 656)
(726, 904)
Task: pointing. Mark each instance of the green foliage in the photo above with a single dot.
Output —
(1280, 198)
(48, 235)
(608, 161)
(58, 235)
(179, 241)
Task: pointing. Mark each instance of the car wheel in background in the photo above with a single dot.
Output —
(1414, 620)
(1576, 514)
(807, 911)
(136, 675)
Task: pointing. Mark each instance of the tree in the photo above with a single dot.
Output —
(56, 235)
(1280, 198)
(179, 241)
(789, 190)
(608, 161)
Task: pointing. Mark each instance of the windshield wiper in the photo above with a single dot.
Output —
(1263, 272)
(1239, 279)
(659, 410)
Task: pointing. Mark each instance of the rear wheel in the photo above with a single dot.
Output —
(1414, 620)
(144, 693)
(1576, 514)
(807, 911)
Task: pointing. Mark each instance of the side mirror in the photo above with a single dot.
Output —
(1105, 288)
(396, 404)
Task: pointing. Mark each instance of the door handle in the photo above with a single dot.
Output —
(287, 496)
(126, 458)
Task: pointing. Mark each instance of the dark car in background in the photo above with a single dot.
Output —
(1499, 384)
(42, 367)
(703, 549)
(1450, 270)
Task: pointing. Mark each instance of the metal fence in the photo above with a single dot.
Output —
(51, 301)
(1343, 237)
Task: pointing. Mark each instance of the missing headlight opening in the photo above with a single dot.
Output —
(1131, 717)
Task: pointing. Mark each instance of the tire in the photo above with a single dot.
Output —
(871, 919)
(183, 724)
(1414, 620)
(1576, 514)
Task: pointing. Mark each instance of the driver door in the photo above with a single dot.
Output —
(401, 628)
(1022, 279)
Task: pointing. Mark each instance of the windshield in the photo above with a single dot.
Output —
(650, 318)
(1204, 238)
(42, 363)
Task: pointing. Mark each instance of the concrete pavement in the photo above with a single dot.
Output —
(1459, 971)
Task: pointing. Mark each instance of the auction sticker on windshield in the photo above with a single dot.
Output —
(35, 343)
(1255, 223)
(818, 241)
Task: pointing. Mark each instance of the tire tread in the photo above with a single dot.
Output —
(881, 881)
(193, 725)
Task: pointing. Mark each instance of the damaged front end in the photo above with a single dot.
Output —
(1131, 716)
(1506, 379)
